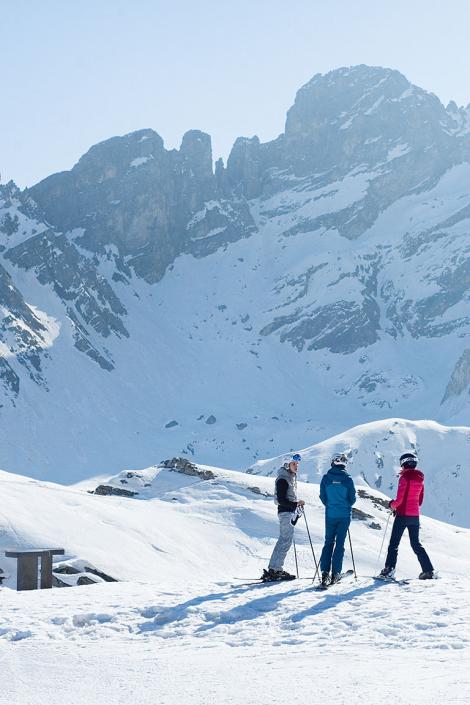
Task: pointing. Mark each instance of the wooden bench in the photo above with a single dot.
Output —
(28, 567)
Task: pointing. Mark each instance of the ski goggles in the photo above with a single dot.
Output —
(409, 459)
(296, 458)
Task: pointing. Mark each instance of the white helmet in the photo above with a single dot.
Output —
(340, 459)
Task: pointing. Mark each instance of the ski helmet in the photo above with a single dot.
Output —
(340, 459)
(296, 458)
(410, 459)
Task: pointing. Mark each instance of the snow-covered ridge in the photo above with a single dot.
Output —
(374, 450)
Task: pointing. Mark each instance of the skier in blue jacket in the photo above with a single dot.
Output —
(338, 494)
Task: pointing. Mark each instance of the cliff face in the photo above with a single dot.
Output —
(133, 193)
(317, 281)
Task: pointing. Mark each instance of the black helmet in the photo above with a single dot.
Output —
(409, 460)
(340, 459)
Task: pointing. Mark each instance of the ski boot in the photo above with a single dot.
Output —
(387, 573)
(271, 576)
(287, 576)
(335, 578)
(325, 579)
(426, 575)
(268, 575)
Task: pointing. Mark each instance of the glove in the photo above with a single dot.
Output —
(296, 514)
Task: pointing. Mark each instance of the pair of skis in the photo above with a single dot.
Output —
(346, 575)
(388, 579)
(260, 581)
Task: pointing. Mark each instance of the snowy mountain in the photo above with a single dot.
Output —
(180, 621)
(152, 306)
(374, 450)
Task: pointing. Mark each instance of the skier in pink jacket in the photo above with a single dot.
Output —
(406, 508)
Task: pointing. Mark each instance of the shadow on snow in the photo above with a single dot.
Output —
(332, 600)
(249, 610)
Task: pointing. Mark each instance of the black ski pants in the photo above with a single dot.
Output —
(399, 525)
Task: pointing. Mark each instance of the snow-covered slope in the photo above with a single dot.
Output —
(374, 450)
(150, 306)
(178, 625)
(180, 525)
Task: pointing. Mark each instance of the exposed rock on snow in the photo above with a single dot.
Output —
(185, 467)
(106, 490)
(363, 516)
(78, 572)
(377, 501)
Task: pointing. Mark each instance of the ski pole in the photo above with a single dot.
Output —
(352, 555)
(317, 568)
(383, 541)
(295, 555)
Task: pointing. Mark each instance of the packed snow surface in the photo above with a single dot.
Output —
(183, 626)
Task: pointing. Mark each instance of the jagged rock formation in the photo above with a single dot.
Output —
(318, 280)
(132, 193)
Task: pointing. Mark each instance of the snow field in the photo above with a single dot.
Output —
(217, 643)
(180, 627)
(78, 674)
(354, 615)
(281, 396)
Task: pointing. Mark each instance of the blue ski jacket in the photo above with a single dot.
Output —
(337, 492)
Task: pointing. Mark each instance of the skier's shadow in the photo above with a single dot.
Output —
(168, 615)
(250, 610)
(330, 601)
(247, 611)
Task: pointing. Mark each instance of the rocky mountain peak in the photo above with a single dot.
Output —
(9, 190)
(196, 150)
(244, 166)
(114, 158)
(460, 117)
(356, 115)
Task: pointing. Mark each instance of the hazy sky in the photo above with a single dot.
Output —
(75, 72)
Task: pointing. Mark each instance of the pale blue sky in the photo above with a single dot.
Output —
(75, 72)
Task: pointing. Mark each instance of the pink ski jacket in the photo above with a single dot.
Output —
(410, 493)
